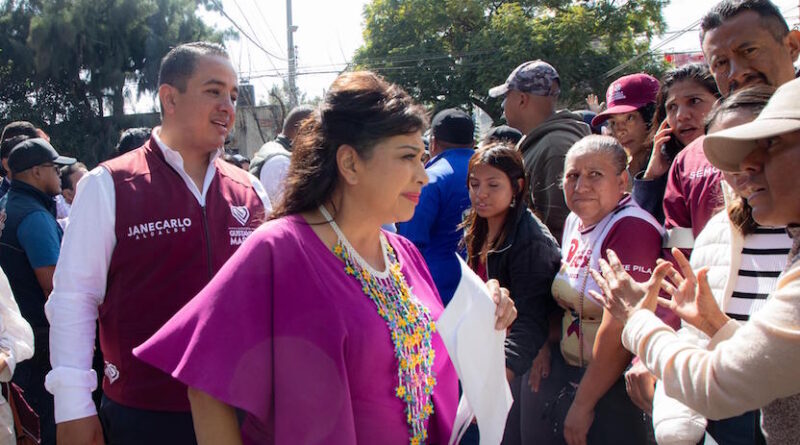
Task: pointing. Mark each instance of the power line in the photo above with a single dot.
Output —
(264, 19)
(788, 19)
(437, 68)
(239, 28)
(412, 61)
(253, 30)
(663, 43)
(677, 34)
(246, 21)
(396, 62)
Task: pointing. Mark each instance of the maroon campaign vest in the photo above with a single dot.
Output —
(168, 248)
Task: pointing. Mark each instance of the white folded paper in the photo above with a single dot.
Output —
(477, 352)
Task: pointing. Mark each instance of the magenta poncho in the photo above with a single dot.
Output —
(285, 335)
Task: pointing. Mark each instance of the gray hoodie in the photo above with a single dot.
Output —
(543, 152)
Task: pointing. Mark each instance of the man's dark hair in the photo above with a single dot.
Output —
(771, 17)
(501, 133)
(66, 174)
(179, 64)
(131, 139)
(297, 115)
(17, 128)
(9, 143)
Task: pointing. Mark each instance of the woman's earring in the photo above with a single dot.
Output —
(513, 202)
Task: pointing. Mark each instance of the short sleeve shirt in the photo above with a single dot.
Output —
(40, 237)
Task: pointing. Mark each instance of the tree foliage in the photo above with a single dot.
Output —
(450, 52)
(66, 65)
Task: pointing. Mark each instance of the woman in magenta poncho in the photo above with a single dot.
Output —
(321, 327)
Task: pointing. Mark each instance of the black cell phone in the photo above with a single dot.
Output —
(672, 147)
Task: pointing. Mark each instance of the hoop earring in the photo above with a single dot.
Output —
(513, 202)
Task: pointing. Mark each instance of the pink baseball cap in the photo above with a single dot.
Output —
(628, 93)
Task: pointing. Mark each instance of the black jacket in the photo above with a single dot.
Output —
(526, 265)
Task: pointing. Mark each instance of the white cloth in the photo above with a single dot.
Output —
(274, 170)
(477, 351)
(16, 343)
(62, 207)
(79, 283)
(16, 335)
(62, 211)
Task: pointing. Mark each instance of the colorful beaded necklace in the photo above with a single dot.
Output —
(409, 323)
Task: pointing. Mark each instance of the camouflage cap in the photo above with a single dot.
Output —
(534, 77)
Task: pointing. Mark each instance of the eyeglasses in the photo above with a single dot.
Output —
(49, 165)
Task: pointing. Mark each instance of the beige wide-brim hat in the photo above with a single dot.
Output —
(728, 148)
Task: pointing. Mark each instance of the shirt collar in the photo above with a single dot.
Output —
(448, 153)
(174, 157)
(47, 201)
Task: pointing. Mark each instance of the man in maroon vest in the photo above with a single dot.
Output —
(147, 231)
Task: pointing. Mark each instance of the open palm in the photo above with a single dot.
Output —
(692, 299)
(622, 295)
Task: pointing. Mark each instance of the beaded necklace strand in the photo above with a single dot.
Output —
(409, 323)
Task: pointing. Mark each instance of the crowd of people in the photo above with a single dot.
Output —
(642, 257)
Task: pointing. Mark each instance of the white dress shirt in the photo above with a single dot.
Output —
(79, 283)
(62, 211)
(62, 207)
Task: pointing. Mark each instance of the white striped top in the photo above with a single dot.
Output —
(764, 256)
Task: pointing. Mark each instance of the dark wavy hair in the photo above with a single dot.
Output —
(360, 110)
(696, 72)
(753, 99)
(504, 157)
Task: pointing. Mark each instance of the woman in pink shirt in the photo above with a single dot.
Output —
(321, 328)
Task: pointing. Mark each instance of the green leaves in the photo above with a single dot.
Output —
(64, 65)
(449, 53)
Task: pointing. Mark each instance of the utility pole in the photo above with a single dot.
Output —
(290, 29)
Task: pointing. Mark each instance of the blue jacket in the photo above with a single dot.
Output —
(434, 227)
(23, 201)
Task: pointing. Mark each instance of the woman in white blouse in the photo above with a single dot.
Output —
(16, 345)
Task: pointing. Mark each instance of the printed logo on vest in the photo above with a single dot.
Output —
(238, 234)
(111, 372)
(153, 229)
(241, 214)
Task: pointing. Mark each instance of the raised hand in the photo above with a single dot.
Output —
(659, 163)
(594, 104)
(622, 295)
(692, 299)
